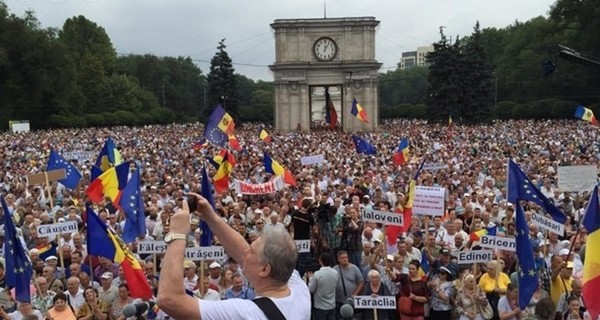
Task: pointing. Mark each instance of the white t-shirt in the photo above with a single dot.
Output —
(296, 306)
(17, 315)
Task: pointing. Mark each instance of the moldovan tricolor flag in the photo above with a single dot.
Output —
(359, 112)
(591, 268)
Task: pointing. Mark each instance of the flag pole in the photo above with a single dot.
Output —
(57, 237)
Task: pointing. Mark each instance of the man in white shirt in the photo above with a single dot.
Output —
(74, 293)
(190, 280)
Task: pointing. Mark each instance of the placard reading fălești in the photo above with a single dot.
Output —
(370, 302)
(303, 245)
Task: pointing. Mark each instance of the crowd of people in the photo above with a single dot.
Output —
(348, 256)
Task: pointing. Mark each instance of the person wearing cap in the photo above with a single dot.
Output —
(107, 292)
(562, 278)
(443, 260)
(214, 273)
(190, 279)
(442, 290)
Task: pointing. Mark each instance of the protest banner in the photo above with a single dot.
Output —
(434, 166)
(315, 159)
(429, 201)
(259, 188)
(577, 178)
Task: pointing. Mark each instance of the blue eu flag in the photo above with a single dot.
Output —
(206, 191)
(528, 275)
(18, 266)
(521, 188)
(133, 205)
(363, 146)
(213, 133)
(56, 161)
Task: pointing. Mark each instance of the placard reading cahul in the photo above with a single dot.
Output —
(502, 243)
(429, 201)
(383, 217)
(379, 302)
(51, 230)
(303, 246)
(205, 253)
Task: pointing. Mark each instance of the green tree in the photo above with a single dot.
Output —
(94, 56)
(222, 86)
(443, 96)
(477, 81)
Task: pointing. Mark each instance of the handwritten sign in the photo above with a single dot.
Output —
(577, 178)
(303, 246)
(316, 159)
(475, 256)
(387, 218)
(429, 201)
(205, 253)
(502, 243)
(379, 302)
(51, 230)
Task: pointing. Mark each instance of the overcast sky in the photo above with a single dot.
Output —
(194, 27)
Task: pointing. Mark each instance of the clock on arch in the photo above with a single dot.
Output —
(325, 49)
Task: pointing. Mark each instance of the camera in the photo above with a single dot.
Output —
(192, 204)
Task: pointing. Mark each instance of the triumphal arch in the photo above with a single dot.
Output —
(319, 58)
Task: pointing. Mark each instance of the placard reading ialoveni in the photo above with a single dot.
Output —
(502, 243)
(384, 217)
(370, 302)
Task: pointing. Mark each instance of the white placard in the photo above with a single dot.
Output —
(434, 166)
(81, 156)
(151, 246)
(303, 246)
(383, 217)
(502, 243)
(475, 256)
(577, 178)
(548, 224)
(205, 253)
(429, 201)
(51, 230)
(316, 159)
(379, 302)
